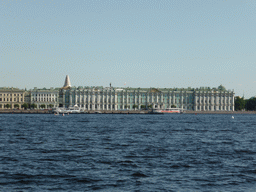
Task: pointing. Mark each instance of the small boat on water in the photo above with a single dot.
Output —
(168, 110)
(69, 110)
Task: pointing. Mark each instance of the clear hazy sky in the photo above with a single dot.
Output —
(143, 43)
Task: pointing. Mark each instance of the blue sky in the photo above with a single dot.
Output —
(161, 43)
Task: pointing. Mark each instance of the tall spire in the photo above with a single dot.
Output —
(67, 83)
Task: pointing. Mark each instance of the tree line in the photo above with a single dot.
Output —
(27, 106)
(245, 104)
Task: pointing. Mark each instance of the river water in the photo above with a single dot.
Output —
(119, 152)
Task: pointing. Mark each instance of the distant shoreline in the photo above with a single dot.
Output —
(11, 111)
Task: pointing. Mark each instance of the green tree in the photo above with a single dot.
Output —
(24, 105)
(42, 106)
(149, 106)
(250, 104)
(127, 106)
(239, 103)
(16, 106)
(134, 106)
(51, 105)
(34, 106)
(173, 106)
(143, 106)
(7, 106)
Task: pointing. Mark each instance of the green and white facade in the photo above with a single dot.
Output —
(111, 98)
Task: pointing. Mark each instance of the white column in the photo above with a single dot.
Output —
(225, 102)
(84, 100)
(181, 102)
(139, 97)
(115, 103)
(75, 98)
(63, 99)
(207, 101)
(195, 103)
(70, 98)
(200, 101)
(217, 102)
(212, 102)
(89, 100)
(229, 99)
(170, 98)
(173, 98)
(233, 103)
(107, 98)
(93, 101)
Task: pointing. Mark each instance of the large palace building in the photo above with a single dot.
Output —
(119, 98)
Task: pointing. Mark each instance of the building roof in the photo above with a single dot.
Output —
(67, 83)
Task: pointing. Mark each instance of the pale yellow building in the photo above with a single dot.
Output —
(11, 96)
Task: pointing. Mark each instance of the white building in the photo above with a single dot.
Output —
(47, 97)
(112, 98)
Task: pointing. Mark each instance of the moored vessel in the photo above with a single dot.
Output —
(74, 109)
(168, 110)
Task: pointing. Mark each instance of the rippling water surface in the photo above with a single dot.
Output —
(108, 152)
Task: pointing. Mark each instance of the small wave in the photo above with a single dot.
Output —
(252, 171)
(139, 174)
(83, 180)
(105, 162)
(244, 151)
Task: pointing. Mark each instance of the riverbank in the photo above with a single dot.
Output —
(11, 111)
(220, 112)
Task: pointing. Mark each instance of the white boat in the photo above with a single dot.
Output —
(74, 109)
(168, 110)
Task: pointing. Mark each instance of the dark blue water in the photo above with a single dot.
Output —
(127, 152)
